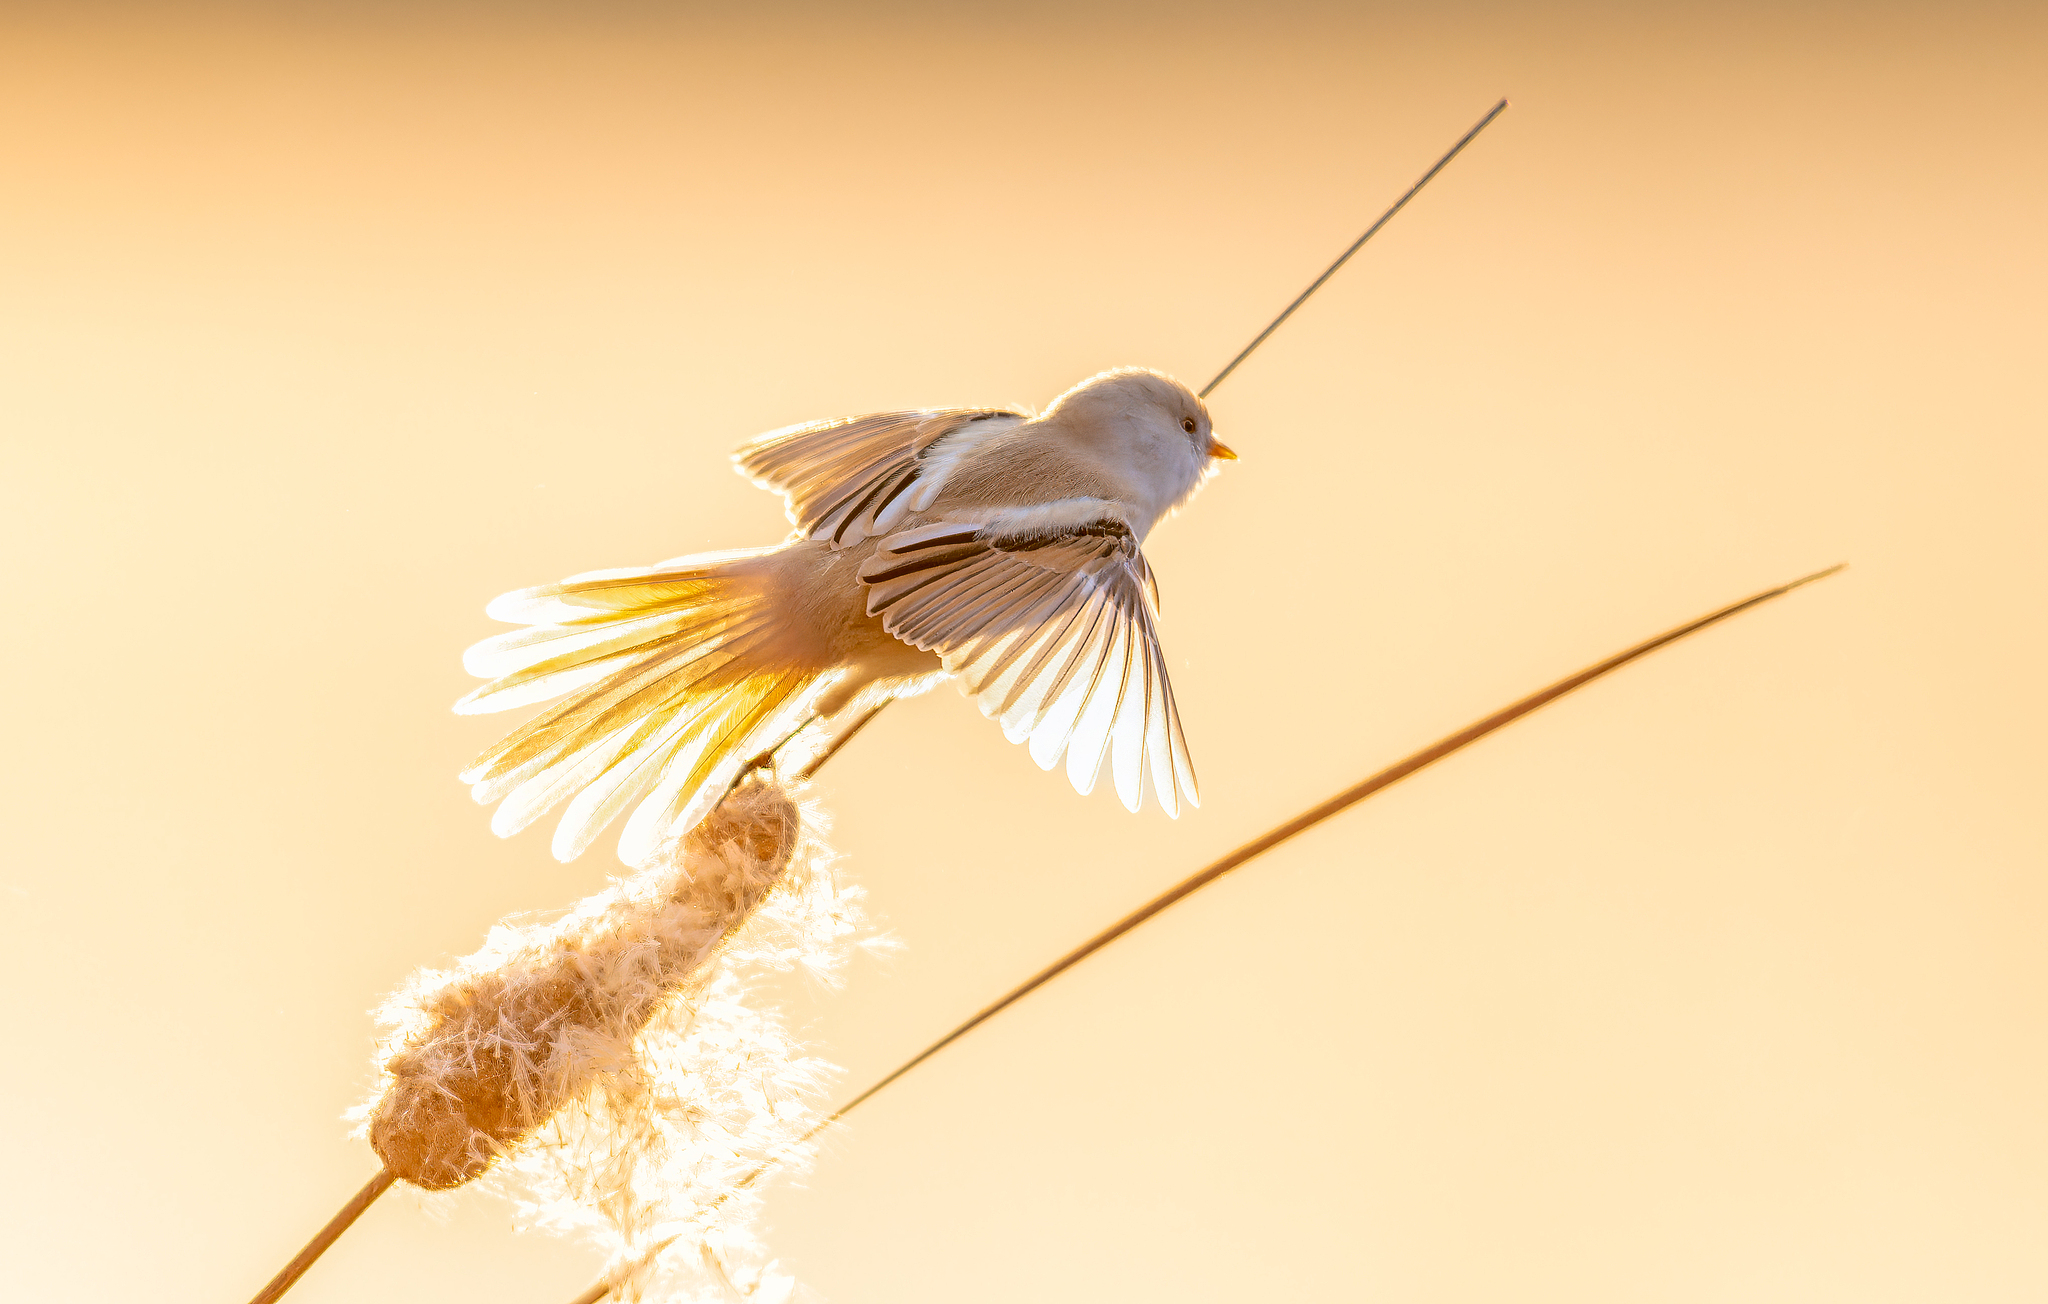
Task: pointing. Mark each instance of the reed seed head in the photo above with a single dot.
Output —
(606, 1069)
(483, 1054)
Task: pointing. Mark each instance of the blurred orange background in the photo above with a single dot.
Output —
(1722, 980)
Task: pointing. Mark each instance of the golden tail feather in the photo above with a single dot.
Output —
(668, 700)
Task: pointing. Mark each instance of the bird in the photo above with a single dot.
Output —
(990, 546)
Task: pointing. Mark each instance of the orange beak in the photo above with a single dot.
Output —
(1219, 449)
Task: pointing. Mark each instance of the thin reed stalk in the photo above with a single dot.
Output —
(275, 1288)
(1356, 245)
(1201, 878)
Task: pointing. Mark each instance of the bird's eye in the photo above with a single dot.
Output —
(1188, 424)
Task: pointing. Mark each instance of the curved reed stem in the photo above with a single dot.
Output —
(1208, 874)
(325, 1237)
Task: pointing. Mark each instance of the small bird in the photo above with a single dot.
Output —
(987, 545)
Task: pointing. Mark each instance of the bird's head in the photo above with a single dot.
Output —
(1146, 425)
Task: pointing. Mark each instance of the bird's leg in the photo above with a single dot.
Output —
(860, 722)
(764, 760)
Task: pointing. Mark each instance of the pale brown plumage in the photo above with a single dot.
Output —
(985, 544)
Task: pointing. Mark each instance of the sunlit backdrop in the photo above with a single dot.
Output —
(1723, 980)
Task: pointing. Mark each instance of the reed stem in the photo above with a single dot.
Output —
(1209, 873)
(1356, 245)
(325, 1237)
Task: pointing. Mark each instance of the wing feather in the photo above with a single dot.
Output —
(853, 478)
(1104, 697)
(1158, 739)
(1052, 629)
(1127, 729)
(1068, 693)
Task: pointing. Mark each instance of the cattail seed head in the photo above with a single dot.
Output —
(485, 1053)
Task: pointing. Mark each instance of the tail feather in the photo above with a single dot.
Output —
(670, 699)
(566, 735)
(623, 782)
(540, 792)
(632, 691)
(525, 651)
(553, 673)
(602, 595)
(755, 715)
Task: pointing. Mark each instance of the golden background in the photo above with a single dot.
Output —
(1722, 980)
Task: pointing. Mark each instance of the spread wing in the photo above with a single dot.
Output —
(848, 479)
(1051, 627)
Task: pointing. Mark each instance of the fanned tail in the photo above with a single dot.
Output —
(669, 699)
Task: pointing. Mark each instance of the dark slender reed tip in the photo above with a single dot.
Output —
(1835, 569)
(1356, 245)
(325, 1237)
(1308, 819)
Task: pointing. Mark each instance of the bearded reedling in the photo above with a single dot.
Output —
(986, 544)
